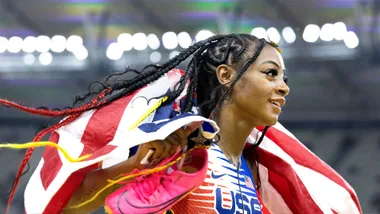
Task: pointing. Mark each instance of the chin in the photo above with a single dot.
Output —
(271, 121)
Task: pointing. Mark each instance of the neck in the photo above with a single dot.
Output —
(234, 131)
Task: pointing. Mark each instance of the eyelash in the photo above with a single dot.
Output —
(274, 73)
(271, 73)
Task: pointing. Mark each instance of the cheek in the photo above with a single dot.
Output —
(246, 94)
(255, 89)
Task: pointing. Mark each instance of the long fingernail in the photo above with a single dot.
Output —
(145, 160)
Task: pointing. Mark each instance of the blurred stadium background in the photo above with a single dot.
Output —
(50, 50)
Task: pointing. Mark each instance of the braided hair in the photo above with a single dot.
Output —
(236, 50)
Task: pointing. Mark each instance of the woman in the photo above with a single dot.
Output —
(239, 82)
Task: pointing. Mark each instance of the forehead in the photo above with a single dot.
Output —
(270, 53)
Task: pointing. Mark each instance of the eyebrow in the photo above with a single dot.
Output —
(273, 63)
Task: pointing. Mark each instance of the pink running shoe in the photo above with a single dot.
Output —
(158, 192)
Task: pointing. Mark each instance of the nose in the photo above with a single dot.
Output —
(283, 88)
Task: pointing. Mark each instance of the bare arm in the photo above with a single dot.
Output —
(98, 179)
(95, 181)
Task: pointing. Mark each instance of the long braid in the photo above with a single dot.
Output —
(192, 74)
(57, 113)
(153, 75)
(189, 102)
(169, 65)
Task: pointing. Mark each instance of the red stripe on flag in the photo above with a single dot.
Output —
(103, 151)
(305, 158)
(52, 163)
(102, 126)
(287, 183)
(100, 130)
(62, 197)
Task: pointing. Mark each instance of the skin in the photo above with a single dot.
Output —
(250, 106)
(96, 180)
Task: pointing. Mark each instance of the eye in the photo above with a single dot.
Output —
(271, 72)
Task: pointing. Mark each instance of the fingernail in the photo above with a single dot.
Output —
(145, 160)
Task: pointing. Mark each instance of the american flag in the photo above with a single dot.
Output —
(293, 179)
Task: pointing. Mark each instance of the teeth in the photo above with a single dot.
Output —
(276, 103)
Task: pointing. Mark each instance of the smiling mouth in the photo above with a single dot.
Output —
(276, 103)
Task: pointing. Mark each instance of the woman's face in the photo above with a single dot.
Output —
(261, 91)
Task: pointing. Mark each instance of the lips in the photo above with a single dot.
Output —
(278, 102)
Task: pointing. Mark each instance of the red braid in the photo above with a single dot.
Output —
(51, 113)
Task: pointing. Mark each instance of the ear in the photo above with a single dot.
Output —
(225, 74)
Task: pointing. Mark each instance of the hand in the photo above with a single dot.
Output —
(95, 180)
(153, 152)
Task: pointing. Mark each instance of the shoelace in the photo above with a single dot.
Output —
(146, 186)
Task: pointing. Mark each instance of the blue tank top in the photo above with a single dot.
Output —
(225, 190)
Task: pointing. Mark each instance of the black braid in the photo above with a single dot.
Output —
(189, 102)
(112, 90)
(239, 52)
(169, 65)
(238, 76)
(215, 60)
(150, 76)
(92, 92)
